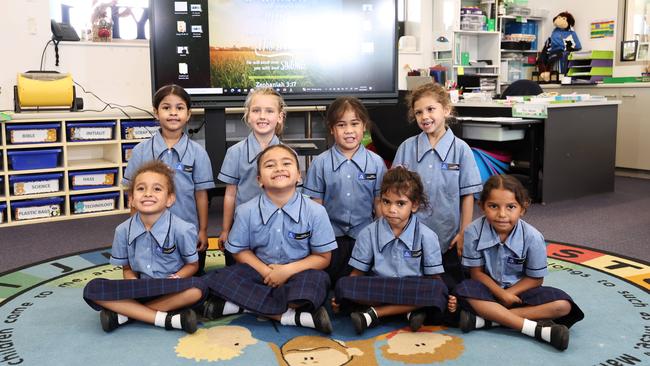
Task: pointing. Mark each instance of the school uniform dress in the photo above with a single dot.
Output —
(192, 172)
(523, 254)
(348, 188)
(153, 255)
(240, 167)
(275, 235)
(395, 267)
(448, 172)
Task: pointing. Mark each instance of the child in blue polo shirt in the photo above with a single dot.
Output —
(264, 113)
(448, 170)
(507, 261)
(158, 255)
(189, 160)
(401, 256)
(281, 241)
(346, 180)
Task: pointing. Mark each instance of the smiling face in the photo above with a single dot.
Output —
(430, 115)
(397, 209)
(151, 195)
(173, 113)
(502, 211)
(348, 132)
(264, 115)
(278, 169)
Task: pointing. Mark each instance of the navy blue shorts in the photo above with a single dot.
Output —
(242, 285)
(416, 291)
(143, 290)
(536, 296)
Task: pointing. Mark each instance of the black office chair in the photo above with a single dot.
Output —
(522, 87)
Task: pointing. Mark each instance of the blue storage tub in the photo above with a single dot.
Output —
(90, 179)
(94, 202)
(33, 159)
(35, 209)
(33, 133)
(90, 131)
(137, 130)
(3, 206)
(126, 151)
(35, 183)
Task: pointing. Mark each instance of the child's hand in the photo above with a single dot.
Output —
(202, 244)
(223, 238)
(508, 300)
(174, 276)
(336, 307)
(279, 274)
(458, 242)
(452, 304)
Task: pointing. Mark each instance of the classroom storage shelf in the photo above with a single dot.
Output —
(96, 147)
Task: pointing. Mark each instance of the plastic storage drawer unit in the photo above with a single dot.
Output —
(90, 131)
(34, 159)
(138, 130)
(94, 202)
(36, 209)
(33, 133)
(35, 183)
(490, 132)
(3, 206)
(126, 151)
(91, 179)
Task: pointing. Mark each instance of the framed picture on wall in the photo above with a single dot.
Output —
(643, 52)
(628, 50)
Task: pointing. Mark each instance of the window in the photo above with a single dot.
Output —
(129, 18)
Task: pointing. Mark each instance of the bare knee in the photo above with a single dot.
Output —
(192, 295)
(561, 308)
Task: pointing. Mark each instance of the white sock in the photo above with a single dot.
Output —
(306, 320)
(176, 321)
(480, 322)
(408, 316)
(160, 319)
(367, 317)
(529, 328)
(121, 319)
(288, 317)
(230, 308)
(546, 334)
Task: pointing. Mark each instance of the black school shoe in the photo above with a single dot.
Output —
(416, 319)
(108, 318)
(188, 320)
(322, 321)
(212, 308)
(359, 320)
(467, 321)
(559, 335)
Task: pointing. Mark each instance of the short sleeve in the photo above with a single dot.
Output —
(186, 239)
(536, 265)
(203, 178)
(238, 239)
(229, 173)
(322, 237)
(431, 249)
(470, 177)
(400, 155)
(314, 185)
(362, 253)
(134, 163)
(471, 256)
(119, 252)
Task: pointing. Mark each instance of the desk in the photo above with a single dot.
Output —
(570, 154)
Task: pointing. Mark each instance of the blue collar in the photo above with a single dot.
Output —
(158, 146)
(160, 229)
(292, 208)
(423, 146)
(385, 233)
(253, 148)
(489, 238)
(360, 158)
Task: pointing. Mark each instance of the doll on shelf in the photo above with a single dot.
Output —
(563, 40)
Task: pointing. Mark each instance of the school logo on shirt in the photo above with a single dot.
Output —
(185, 168)
(300, 236)
(169, 250)
(450, 166)
(412, 253)
(369, 176)
(514, 260)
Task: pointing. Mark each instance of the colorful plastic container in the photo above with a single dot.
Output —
(90, 179)
(35, 183)
(36, 209)
(33, 159)
(138, 130)
(90, 131)
(33, 133)
(94, 202)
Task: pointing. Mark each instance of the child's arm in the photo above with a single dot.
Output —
(504, 297)
(188, 270)
(466, 212)
(228, 213)
(248, 257)
(128, 273)
(201, 198)
(280, 273)
(525, 284)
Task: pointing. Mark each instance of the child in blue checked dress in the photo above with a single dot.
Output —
(401, 256)
(158, 255)
(346, 180)
(281, 241)
(507, 261)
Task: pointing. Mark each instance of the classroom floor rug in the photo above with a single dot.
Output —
(44, 321)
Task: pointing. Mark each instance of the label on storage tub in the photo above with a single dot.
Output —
(37, 212)
(33, 136)
(93, 180)
(528, 110)
(140, 132)
(94, 205)
(41, 186)
(91, 133)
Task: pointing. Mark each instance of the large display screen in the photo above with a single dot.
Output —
(308, 50)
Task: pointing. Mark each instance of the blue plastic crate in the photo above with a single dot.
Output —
(33, 159)
(136, 130)
(35, 209)
(126, 151)
(90, 131)
(33, 133)
(3, 206)
(94, 202)
(35, 183)
(90, 179)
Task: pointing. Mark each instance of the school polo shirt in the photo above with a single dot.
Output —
(522, 254)
(165, 249)
(448, 172)
(415, 252)
(347, 187)
(281, 235)
(240, 167)
(191, 166)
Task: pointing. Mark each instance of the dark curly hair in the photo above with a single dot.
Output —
(403, 181)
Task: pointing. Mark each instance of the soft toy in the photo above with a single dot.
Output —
(562, 41)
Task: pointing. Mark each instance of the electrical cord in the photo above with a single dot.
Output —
(112, 105)
(43, 54)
